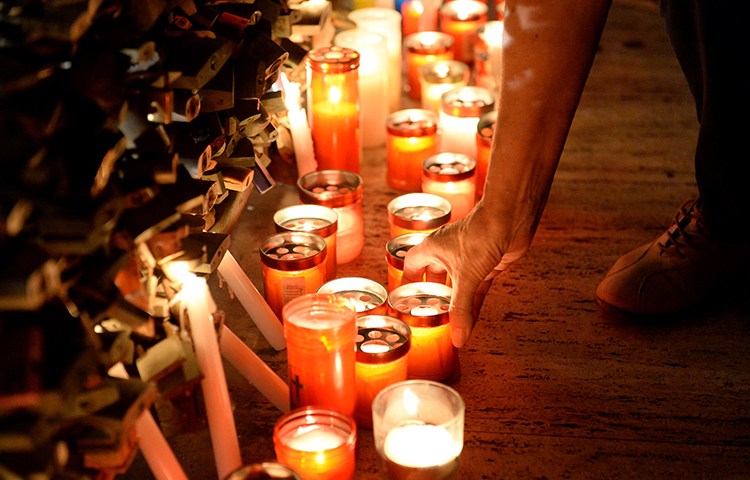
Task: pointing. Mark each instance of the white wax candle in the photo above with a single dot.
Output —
(314, 438)
(420, 446)
(254, 369)
(304, 154)
(253, 302)
(159, 456)
(458, 134)
(195, 295)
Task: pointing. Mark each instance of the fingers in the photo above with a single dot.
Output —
(421, 263)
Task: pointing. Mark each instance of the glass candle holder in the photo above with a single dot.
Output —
(387, 22)
(460, 109)
(317, 443)
(316, 219)
(418, 430)
(333, 107)
(424, 307)
(422, 48)
(341, 191)
(412, 137)
(383, 343)
(320, 330)
(264, 471)
(485, 132)
(395, 252)
(488, 54)
(293, 263)
(367, 297)
(417, 213)
(373, 51)
(438, 77)
(451, 176)
(461, 19)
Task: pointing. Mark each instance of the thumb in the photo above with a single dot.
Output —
(462, 311)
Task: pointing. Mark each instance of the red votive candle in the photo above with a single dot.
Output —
(316, 219)
(412, 137)
(451, 176)
(417, 213)
(422, 48)
(461, 19)
(424, 307)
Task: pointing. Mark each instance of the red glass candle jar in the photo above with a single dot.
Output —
(333, 107)
(412, 137)
(422, 48)
(293, 263)
(417, 212)
(451, 176)
(461, 19)
(316, 219)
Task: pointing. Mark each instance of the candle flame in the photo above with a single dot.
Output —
(411, 403)
(334, 94)
(417, 6)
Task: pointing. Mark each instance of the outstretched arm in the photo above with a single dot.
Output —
(548, 49)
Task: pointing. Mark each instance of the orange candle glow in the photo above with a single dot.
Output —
(383, 343)
(417, 212)
(485, 131)
(439, 77)
(422, 48)
(424, 307)
(333, 103)
(412, 137)
(366, 297)
(411, 10)
(461, 19)
(320, 331)
(451, 176)
(294, 263)
(317, 443)
(316, 219)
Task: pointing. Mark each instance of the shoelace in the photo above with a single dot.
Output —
(677, 234)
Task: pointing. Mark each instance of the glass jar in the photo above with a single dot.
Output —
(293, 263)
(417, 212)
(461, 19)
(366, 296)
(316, 219)
(438, 77)
(423, 48)
(460, 109)
(341, 191)
(451, 176)
(412, 137)
(488, 54)
(333, 107)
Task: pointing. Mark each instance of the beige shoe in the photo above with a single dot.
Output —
(682, 268)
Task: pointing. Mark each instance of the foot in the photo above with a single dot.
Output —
(682, 268)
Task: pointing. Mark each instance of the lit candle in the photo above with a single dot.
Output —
(373, 62)
(255, 305)
(156, 451)
(411, 10)
(316, 219)
(320, 331)
(317, 443)
(485, 131)
(423, 48)
(294, 263)
(342, 191)
(418, 428)
(438, 77)
(488, 54)
(304, 155)
(383, 343)
(254, 369)
(334, 105)
(461, 19)
(412, 137)
(387, 22)
(224, 442)
(460, 110)
(366, 297)
(417, 212)
(424, 307)
(451, 176)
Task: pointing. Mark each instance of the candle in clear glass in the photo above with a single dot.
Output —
(418, 430)
(293, 263)
(367, 297)
(417, 212)
(485, 131)
(383, 343)
(342, 191)
(460, 110)
(438, 77)
(412, 137)
(264, 471)
(314, 219)
(373, 62)
(320, 330)
(387, 22)
(317, 443)
(451, 176)
(333, 106)
(422, 48)
(461, 19)
(488, 53)
(424, 307)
